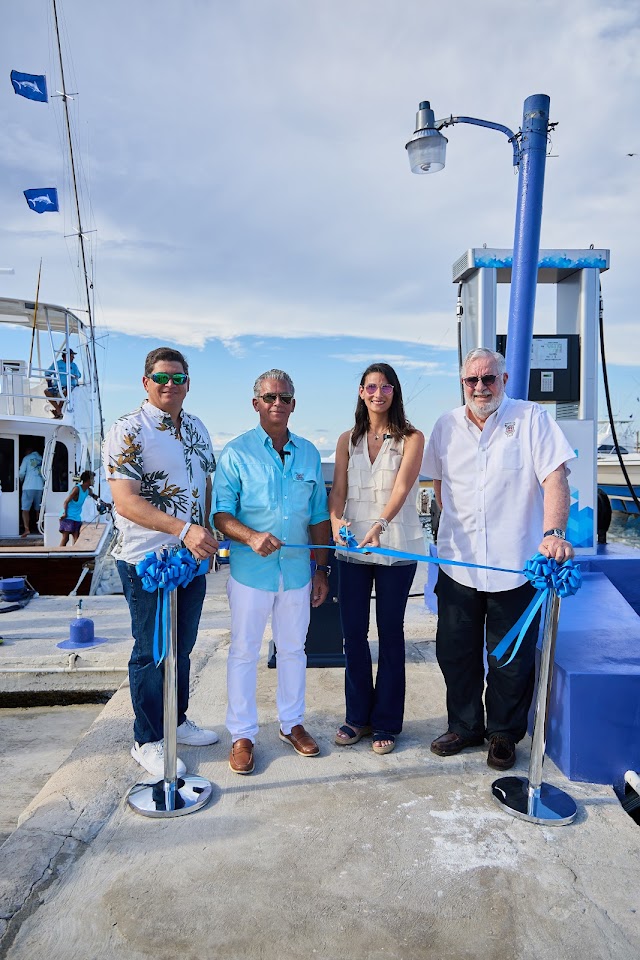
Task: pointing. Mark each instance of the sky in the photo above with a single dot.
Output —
(243, 168)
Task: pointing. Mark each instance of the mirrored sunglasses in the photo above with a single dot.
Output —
(163, 378)
(385, 388)
(487, 381)
(272, 397)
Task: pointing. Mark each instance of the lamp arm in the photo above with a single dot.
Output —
(511, 136)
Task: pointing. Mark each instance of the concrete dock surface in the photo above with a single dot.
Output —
(347, 855)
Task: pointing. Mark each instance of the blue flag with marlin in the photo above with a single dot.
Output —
(33, 86)
(42, 200)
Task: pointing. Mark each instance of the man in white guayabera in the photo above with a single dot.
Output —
(499, 476)
(159, 462)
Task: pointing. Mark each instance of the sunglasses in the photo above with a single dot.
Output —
(163, 378)
(487, 381)
(272, 397)
(385, 388)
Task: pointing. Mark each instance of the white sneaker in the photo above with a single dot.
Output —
(151, 757)
(189, 732)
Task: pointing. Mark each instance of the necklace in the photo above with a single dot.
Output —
(381, 436)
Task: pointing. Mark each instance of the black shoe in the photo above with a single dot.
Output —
(449, 743)
(502, 752)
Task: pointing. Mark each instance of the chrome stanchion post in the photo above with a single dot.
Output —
(171, 706)
(170, 797)
(529, 798)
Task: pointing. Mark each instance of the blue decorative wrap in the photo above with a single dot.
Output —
(547, 576)
(165, 573)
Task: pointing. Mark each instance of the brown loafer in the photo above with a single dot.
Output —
(241, 756)
(449, 743)
(301, 741)
(502, 752)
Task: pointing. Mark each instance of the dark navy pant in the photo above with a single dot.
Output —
(465, 615)
(379, 705)
(146, 681)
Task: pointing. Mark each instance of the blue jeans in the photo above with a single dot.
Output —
(145, 679)
(380, 706)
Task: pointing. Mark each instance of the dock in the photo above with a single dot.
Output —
(348, 855)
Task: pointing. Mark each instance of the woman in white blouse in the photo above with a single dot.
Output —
(374, 493)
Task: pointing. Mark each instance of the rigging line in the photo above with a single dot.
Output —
(610, 411)
(35, 316)
(79, 224)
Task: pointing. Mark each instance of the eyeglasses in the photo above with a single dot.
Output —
(163, 378)
(272, 397)
(385, 388)
(487, 381)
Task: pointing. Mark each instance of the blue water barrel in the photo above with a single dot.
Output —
(12, 588)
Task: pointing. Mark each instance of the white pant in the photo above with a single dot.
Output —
(250, 609)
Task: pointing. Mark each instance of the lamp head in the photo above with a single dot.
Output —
(427, 147)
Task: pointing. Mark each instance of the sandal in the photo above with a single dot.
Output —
(352, 735)
(379, 747)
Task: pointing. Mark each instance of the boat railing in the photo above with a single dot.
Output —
(23, 394)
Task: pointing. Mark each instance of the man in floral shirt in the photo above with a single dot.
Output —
(159, 462)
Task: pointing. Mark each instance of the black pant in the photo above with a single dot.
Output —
(380, 706)
(464, 616)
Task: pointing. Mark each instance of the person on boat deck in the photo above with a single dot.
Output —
(57, 380)
(32, 486)
(374, 493)
(499, 475)
(71, 516)
(159, 462)
(268, 490)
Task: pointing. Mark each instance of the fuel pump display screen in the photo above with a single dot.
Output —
(555, 367)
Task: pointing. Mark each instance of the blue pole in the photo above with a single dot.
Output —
(526, 244)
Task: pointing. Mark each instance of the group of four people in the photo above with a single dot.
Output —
(499, 474)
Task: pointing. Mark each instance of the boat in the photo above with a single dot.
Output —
(38, 414)
(68, 445)
(611, 479)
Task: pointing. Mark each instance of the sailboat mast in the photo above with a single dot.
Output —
(79, 222)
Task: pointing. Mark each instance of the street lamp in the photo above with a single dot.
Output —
(426, 150)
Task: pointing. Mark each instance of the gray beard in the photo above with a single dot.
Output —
(485, 411)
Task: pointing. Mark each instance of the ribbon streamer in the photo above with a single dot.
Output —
(547, 576)
(166, 572)
(544, 573)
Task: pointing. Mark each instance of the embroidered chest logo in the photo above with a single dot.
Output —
(298, 476)
(510, 429)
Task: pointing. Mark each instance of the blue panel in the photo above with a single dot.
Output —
(430, 599)
(594, 713)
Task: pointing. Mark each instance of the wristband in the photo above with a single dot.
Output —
(184, 531)
(383, 523)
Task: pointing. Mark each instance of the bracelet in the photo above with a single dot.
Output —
(184, 531)
(383, 523)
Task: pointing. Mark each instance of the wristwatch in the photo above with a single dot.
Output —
(324, 568)
(556, 532)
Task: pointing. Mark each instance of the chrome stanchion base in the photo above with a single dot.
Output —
(547, 804)
(149, 798)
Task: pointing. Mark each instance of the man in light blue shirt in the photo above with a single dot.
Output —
(268, 492)
(32, 486)
(57, 380)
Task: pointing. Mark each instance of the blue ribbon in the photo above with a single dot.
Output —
(166, 572)
(547, 576)
(352, 547)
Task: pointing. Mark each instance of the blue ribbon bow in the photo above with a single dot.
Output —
(547, 576)
(165, 573)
